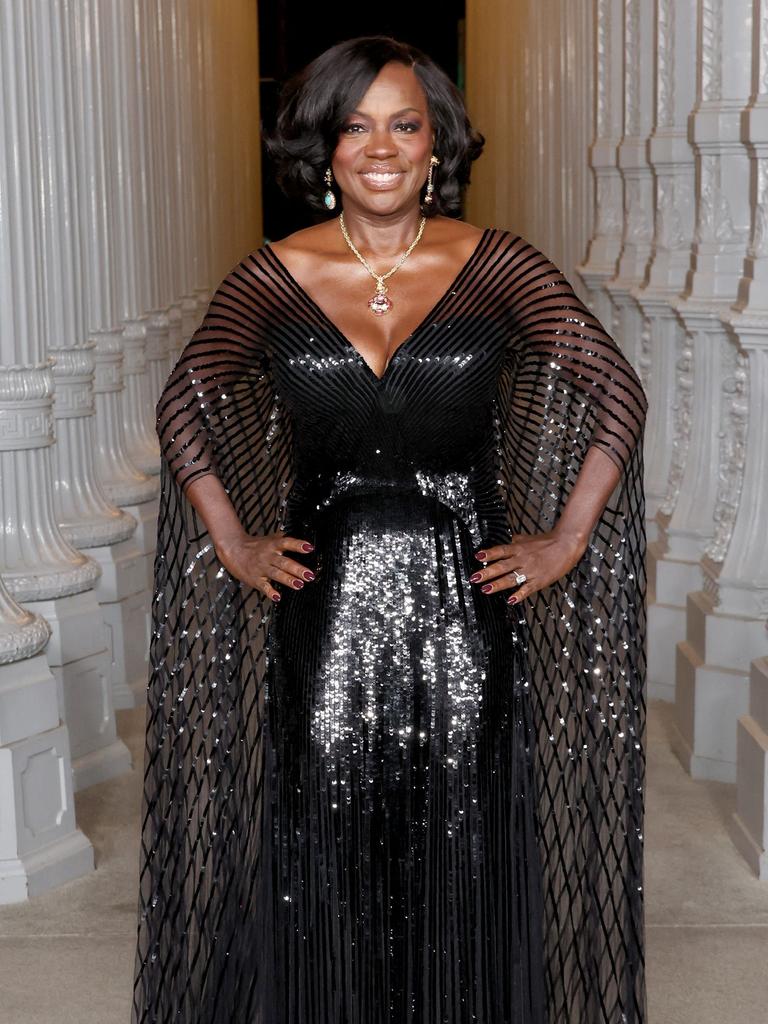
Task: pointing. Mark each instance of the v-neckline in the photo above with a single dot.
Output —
(416, 330)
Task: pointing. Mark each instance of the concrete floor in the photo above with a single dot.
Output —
(66, 957)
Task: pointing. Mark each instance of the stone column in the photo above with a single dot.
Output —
(630, 327)
(40, 843)
(40, 565)
(734, 605)
(712, 664)
(163, 323)
(605, 244)
(130, 112)
(663, 341)
(665, 345)
(125, 596)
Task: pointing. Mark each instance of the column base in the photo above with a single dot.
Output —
(712, 685)
(124, 602)
(79, 660)
(40, 844)
(749, 826)
(63, 861)
(100, 765)
(146, 537)
(669, 581)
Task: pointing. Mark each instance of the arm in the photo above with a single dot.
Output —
(223, 350)
(562, 340)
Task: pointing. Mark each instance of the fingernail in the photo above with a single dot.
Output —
(307, 547)
(308, 574)
(487, 588)
(475, 577)
(511, 600)
(298, 584)
(480, 555)
(275, 597)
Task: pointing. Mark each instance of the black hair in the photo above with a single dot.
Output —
(314, 103)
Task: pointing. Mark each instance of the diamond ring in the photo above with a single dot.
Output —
(520, 577)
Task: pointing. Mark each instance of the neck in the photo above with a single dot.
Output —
(382, 236)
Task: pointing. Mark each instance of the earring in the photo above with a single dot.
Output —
(433, 162)
(329, 198)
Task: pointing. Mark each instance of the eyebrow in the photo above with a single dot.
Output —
(396, 114)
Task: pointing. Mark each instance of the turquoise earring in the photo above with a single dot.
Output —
(329, 198)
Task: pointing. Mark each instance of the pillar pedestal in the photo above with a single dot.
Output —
(749, 826)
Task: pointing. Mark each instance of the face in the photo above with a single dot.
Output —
(382, 158)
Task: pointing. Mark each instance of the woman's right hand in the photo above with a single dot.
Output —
(259, 561)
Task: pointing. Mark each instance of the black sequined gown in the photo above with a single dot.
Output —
(390, 798)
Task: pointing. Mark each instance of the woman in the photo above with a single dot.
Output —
(394, 765)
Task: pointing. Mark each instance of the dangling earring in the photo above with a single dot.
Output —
(433, 162)
(329, 198)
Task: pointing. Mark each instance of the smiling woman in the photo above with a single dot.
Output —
(394, 763)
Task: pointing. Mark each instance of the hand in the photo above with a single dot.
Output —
(542, 558)
(258, 560)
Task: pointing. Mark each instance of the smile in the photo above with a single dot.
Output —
(382, 177)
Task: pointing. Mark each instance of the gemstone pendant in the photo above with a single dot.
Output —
(379, 304)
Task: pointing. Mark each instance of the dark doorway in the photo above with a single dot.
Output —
(293, 32)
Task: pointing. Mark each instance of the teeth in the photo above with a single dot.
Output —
(381, 175)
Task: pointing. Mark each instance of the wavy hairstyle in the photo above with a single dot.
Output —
(315, 102)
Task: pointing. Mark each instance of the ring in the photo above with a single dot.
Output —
(520, 577)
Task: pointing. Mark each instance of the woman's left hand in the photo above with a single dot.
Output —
(541, 557)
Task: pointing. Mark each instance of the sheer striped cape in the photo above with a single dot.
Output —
(564, 387)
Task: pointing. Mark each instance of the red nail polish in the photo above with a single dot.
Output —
(481, 555)
(298, 584)
(275, 597)
(475, 577)
(511, 600)
(307, 547)
(308, 574)
(487, 588)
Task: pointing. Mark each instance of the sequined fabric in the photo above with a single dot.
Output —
(390, 798)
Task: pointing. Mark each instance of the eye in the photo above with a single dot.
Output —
(348, 128)
(409, 126)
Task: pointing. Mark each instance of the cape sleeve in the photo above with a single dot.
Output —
(567, 386)
(200, 871)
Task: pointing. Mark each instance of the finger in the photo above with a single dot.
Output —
(283, 543)
(284, 564)
(266, 587)
(490, 572)
(502, 583)
(528, 588)
(288, 578)
(491, 554)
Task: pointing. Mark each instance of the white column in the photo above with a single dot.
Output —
(712, 663)
(664, 342)
(40, 843)
(129, 113)
(125, 596)
(164, 332)
(629, 324)
(735, 598)
(749, 827)
(605, 244)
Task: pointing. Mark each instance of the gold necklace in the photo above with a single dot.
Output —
(380, 303)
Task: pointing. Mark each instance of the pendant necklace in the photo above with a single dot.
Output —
(380, 303)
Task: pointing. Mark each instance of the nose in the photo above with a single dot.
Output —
(380, 143)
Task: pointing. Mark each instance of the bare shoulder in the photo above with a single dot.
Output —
(450, 233)
(315, 240)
